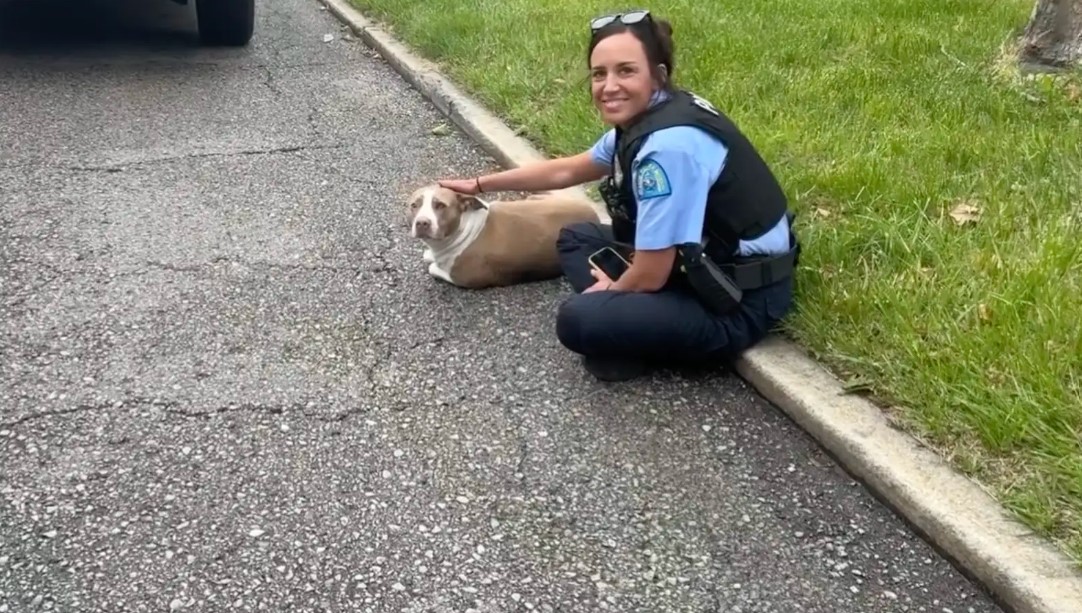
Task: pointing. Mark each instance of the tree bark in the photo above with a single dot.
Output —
(1053, 38)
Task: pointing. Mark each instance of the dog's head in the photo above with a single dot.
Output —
(434, 212)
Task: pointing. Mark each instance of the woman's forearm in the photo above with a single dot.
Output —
(547, 175)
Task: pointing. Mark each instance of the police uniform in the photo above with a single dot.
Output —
(681, 174)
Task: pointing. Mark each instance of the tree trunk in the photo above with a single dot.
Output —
(1053, 38)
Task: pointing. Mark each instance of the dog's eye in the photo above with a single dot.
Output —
(439, 204)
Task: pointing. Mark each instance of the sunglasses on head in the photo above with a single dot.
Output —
(625, 18)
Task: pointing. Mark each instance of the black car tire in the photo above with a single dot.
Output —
(225, 22)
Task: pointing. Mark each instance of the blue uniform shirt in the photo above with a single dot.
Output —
(671, 175)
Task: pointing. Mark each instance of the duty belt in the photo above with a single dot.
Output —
(755, 272)
(759, 271)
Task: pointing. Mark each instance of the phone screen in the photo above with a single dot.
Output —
(610, 262)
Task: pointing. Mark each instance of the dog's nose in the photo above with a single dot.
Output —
(422, 225)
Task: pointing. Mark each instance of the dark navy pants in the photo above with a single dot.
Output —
(664, 326)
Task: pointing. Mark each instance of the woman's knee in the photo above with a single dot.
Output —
(569, 324)
(576, 235)
(606, 323)
(567, 242)
(574, 244)
(645, 325)
(578, 323)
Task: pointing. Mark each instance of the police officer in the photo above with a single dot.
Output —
(678, 178)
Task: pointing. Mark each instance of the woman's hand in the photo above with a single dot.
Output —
(603, 282)
(542, 176)
(462, 186)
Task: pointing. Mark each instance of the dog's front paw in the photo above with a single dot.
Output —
(428, 256)
(439, 273)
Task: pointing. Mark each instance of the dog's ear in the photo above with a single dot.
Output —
(470, 203)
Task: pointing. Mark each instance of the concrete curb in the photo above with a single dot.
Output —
(1023, 571)
(1020, 568)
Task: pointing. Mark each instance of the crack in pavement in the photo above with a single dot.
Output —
(86, 407)
(30, 288)
(254, 407)
(108, 169)
(192, 268)
(312, 119)
(523, 448)
(380, 252)
(18, 296)
(235, 260)
(268, 81)
(122, 166)
(172, 407)
(168, 64)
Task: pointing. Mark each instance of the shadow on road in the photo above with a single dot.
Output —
(74, 27)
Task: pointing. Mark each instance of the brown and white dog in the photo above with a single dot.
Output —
(476, 244)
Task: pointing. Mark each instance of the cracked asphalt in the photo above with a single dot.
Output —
(229, 384)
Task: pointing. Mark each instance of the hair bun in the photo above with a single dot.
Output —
(664, 28)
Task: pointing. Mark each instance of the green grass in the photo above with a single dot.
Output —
(879, 118)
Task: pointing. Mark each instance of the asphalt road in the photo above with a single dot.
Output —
(229, 384)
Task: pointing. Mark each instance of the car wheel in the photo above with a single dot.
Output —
(225, 22)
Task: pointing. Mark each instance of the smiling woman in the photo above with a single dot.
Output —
(697, 215)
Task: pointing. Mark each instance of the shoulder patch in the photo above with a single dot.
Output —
(651, 181)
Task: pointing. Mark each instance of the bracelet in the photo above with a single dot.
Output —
(477, 181)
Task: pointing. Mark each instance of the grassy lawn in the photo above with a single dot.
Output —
(939, 197)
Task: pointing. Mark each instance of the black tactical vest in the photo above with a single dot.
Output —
(744, 202)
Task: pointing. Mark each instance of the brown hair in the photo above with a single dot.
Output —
(655, 35)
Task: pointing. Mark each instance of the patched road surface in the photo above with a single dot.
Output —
(227, 382)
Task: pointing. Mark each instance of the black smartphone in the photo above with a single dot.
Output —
(610, 262)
